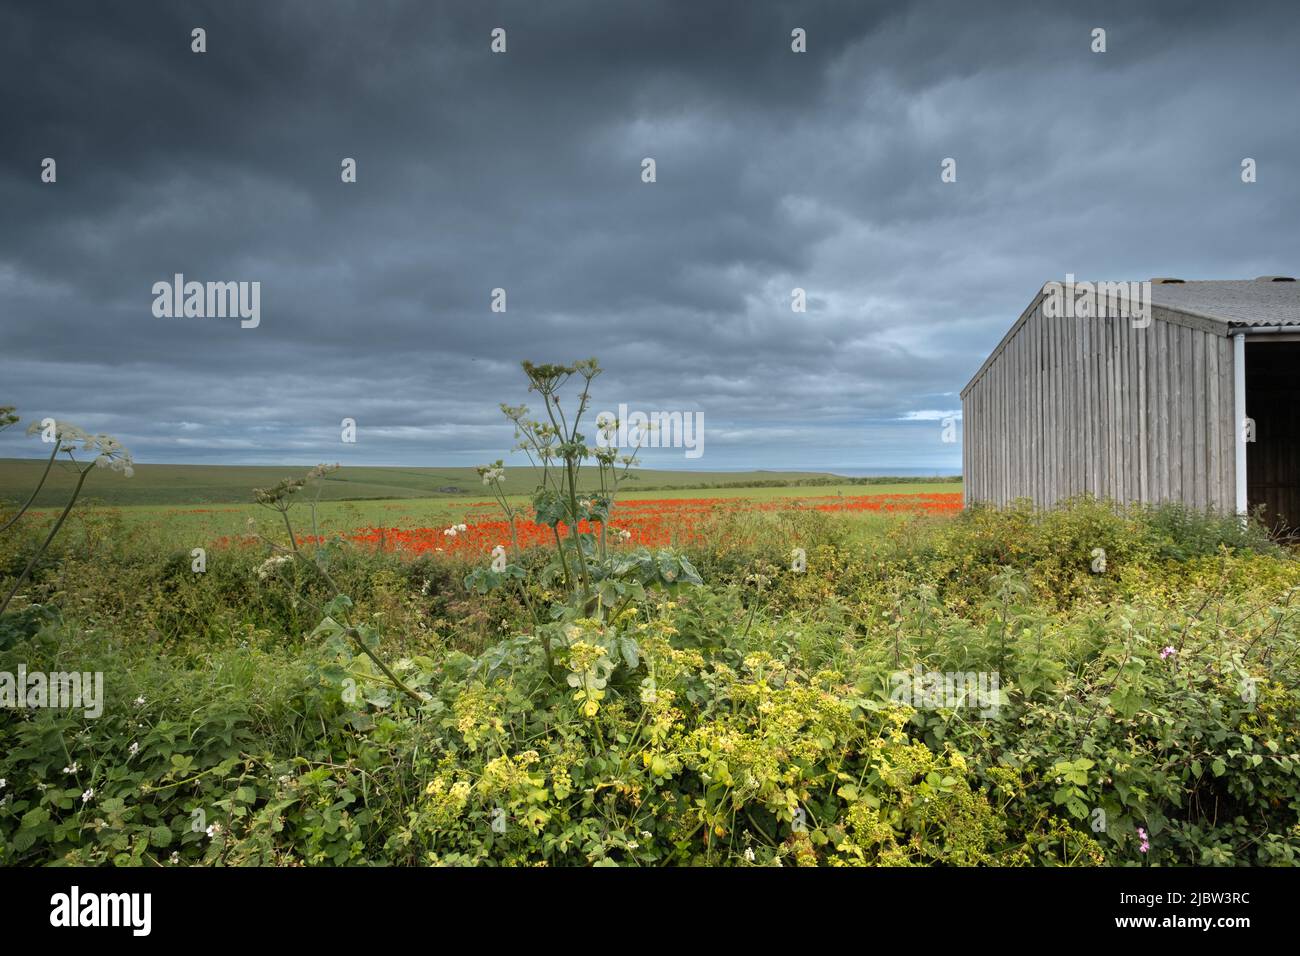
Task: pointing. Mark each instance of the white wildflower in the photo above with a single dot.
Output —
(270, 564)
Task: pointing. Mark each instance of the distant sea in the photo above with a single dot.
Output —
(845, 472)
(898, 472)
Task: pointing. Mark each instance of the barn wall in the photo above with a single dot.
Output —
(1071, 406)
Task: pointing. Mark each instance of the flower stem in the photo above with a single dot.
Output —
(48, 538)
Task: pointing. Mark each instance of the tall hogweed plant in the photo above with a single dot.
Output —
(65, 440)
(601, 583)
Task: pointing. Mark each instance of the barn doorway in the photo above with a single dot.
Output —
(1273, 459)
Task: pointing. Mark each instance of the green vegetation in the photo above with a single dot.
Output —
(1081, 686)
(752, 719)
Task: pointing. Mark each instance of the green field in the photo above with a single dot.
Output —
(154, 508)
(233, 484)
(185, 504)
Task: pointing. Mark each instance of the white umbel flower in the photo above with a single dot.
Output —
(270, 564)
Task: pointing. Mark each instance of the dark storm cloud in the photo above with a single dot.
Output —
(522, 171)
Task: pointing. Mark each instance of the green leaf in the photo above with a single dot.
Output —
(34, 818)
(338, 606)
(630, 651)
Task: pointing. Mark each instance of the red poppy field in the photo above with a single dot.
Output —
(651, 522)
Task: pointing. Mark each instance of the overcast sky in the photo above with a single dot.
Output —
(523, 171)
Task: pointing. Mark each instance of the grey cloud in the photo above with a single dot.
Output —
(521, 171)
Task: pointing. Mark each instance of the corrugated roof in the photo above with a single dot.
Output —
(1250, 302)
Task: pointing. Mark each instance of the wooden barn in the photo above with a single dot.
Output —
(1194, 398)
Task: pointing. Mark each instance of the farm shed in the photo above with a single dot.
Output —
(1144, 410)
